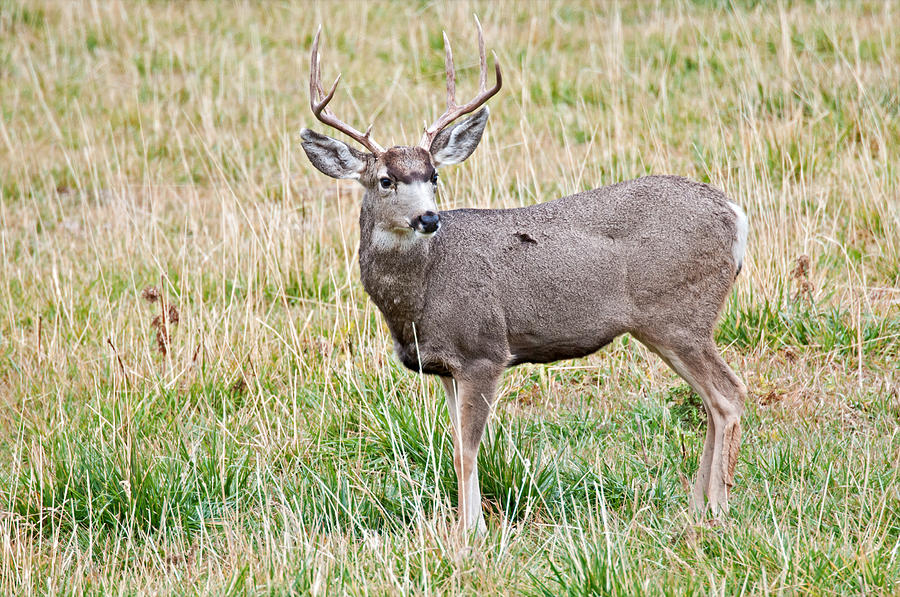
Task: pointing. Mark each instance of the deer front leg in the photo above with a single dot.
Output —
(471, 398)
(452, 407)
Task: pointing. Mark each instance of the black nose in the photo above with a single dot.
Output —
(429, 222)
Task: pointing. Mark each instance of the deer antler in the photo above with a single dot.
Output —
(454, 111)
(318, 101)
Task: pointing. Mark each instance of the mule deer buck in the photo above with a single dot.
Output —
(469, 292)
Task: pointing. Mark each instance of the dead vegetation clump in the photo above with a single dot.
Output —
(162, 323)
(800, 275)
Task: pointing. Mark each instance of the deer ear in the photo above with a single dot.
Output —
(332, 157)
(455, 143)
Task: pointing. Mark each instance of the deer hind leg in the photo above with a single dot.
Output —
(469, 399)
(723, 398)
(701, 483)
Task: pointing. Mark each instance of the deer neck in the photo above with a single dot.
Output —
(394, 274)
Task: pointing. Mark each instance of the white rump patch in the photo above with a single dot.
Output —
(740, 236)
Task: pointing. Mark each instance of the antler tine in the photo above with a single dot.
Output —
(317, 97)
(318, 102)
(498, 78)
(454, 110)
(314, 69)
(451, 73)
(482, 76)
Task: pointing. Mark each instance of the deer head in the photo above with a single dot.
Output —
(400, 181)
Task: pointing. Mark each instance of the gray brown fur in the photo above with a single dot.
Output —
(556, 280)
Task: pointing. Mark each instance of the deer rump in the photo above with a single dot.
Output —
(562, 279)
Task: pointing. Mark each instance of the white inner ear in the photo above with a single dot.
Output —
(338, 157)
(457, 148)
(348, 160)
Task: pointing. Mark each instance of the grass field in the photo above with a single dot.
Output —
(197, 397)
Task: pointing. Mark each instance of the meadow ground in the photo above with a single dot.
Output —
(198, 397)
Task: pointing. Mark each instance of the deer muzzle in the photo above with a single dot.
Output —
(427, 223)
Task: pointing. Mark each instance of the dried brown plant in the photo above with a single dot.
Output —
(150, 294)
(161, 323)
(800, 274)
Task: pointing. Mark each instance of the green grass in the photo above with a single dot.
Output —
(278, 448)
(778, 322)
(76, 487)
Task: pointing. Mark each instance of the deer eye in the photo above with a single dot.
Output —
(434, 178)
(386, 183)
